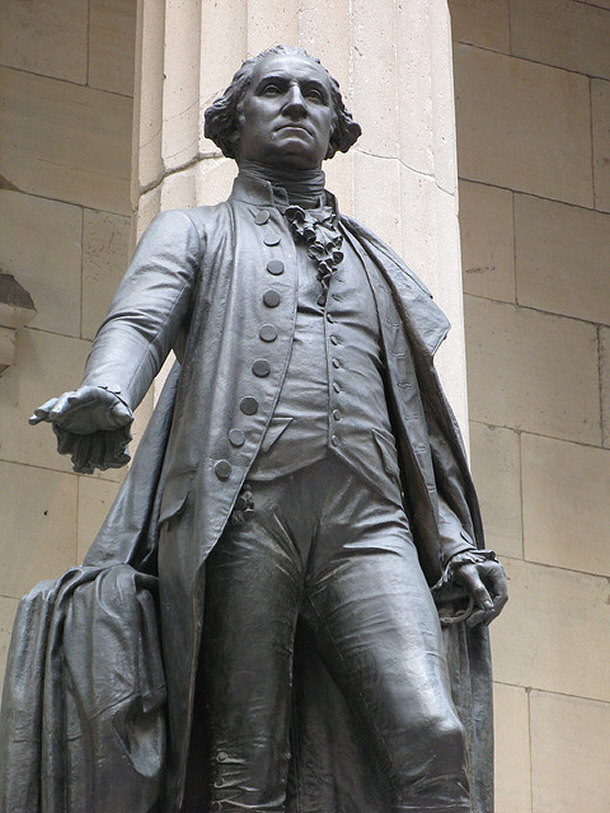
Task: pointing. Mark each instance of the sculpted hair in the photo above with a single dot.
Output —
(221, 116)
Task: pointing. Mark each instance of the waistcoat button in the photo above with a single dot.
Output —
(271, 298)
(223, 469)
(268, 333)
(237, 437)
(275, 267)
(261, 368)
(249, 405)
(334, 440)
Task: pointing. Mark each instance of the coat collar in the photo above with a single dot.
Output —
(262, 193)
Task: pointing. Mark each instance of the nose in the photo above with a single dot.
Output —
(294, 105)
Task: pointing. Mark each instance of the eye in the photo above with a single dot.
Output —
(315, 94)
(271, 89)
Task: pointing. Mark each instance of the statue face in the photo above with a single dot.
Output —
(286, 116)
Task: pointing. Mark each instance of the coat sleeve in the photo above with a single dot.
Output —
(148, 308)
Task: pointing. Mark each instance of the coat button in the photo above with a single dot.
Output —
(223, 469)
(271, 239)
(237, 437)
(268, 333)
(271, 298)
(262, 217)
(336, 415)
(330, 317)
(249, 405)
(334, 440)
(275, 267)
(261, 368)
(334, 340)
(336, 387)
(336, 364)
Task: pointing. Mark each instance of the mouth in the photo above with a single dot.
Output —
(298, 127)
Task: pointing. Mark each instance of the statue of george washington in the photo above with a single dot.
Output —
(300, 507)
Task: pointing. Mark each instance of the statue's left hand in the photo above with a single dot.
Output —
(486, 583)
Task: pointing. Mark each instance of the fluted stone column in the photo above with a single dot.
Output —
(394, 63)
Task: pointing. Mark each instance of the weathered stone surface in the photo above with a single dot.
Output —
(521, 376)
(496, 471)
(519, 121)
(63, 141)
(561, 257)
(604, 364)
(600, 100)
(486, 227)
(569, 754)
(566, 504)
(105, 259)
(40, 244)
(570, 35)
(481, 22)
(47, 37)
(46, 365)
(112, 31)
(512, 749)
(38, 510)
(553, 633)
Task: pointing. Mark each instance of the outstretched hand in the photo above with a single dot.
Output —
(486, 583)
(92, 425)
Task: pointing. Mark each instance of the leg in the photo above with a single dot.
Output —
(379, 635)
(253, 590)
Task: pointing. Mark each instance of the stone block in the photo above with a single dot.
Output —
(219, 63)
(179, 189)
(374, 76)
(327, 36)
(486, 227)
(46, 37)
(182, 54)
(518, 121)
(600, 100)
(566, 504)
(112, 41)
(94, 500)
(67, 142)
(569, 35)
(512, 750)
(40, 244)
(553, 633)
(377, 195)
(38, 509)
(569, 754)
(46, 365)
(561, 258)
(214, 180)
(8, 608)
(105, 260)
(148, 97)
(496, 471)
(481, 22)
(270, 22)
(604, 365)
(531, 371)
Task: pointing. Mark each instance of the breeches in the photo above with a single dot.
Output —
(320, 546)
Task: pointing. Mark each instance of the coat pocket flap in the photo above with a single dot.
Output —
(387, 450)
(175, 492)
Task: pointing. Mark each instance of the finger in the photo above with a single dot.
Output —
(42, 412)
(121, 414)
(470, 578)
(62, 404)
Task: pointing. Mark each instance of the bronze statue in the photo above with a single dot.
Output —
(301, 496)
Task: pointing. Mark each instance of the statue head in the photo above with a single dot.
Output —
(282, 108)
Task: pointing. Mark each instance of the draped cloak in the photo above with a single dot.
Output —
(196, 284)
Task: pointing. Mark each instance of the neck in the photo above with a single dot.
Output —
(303, 186)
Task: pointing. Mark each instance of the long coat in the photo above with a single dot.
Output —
(199, 283)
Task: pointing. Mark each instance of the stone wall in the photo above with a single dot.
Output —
(66, 80)
(533, 105)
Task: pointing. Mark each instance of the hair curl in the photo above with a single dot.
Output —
(221, 116)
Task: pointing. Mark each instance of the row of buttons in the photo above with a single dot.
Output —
(261, 368)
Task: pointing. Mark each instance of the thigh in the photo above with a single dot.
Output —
(378, 632)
